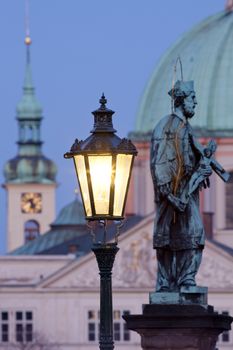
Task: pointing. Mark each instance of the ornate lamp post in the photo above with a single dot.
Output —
(103, 164)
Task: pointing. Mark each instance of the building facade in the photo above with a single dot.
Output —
(58, 295)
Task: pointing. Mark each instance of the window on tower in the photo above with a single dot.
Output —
(31, 230)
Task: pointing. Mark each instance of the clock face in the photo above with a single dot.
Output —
(31, 203)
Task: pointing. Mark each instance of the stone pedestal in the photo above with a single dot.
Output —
(179, 322)
(186, 296)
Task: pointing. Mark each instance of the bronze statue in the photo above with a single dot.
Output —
(180, 167)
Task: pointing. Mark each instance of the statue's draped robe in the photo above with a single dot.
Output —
(173, 151)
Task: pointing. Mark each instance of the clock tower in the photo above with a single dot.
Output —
(29, 177)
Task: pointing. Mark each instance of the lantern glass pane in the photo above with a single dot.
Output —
(101, 173)
(82, 176)
(123, 166)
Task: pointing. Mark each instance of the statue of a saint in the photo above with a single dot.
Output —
(180, 167)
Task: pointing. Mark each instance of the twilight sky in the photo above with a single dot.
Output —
(81, 48)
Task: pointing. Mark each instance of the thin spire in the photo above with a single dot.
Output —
(28, 76)
(27, 39)
(28, 107)
(29, 111)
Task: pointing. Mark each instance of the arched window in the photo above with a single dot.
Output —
(31, 230)
(229, 202)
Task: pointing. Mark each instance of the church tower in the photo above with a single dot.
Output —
(30, 176)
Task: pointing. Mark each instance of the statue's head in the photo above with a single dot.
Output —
(184, 97)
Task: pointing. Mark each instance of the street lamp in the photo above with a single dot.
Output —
(103, 164)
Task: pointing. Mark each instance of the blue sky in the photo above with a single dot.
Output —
(80, 49)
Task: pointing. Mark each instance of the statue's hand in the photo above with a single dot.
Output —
(165, 189)
(188, 170)
(176, 203)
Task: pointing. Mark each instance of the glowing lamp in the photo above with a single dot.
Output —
(103, 164)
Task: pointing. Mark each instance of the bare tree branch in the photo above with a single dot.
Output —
(39, 342)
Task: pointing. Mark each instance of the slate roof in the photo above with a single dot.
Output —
(71, 214)
(69, 231)
(224, 247)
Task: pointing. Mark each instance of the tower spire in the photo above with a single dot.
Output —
(30, 165)
(33, 174)
(29, 111)
(28, 42)
(28, 75)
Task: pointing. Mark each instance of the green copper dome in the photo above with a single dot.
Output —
(30, 169)
(71, 215)
(207, 55)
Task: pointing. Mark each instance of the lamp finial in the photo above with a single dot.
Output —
(103, 101)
